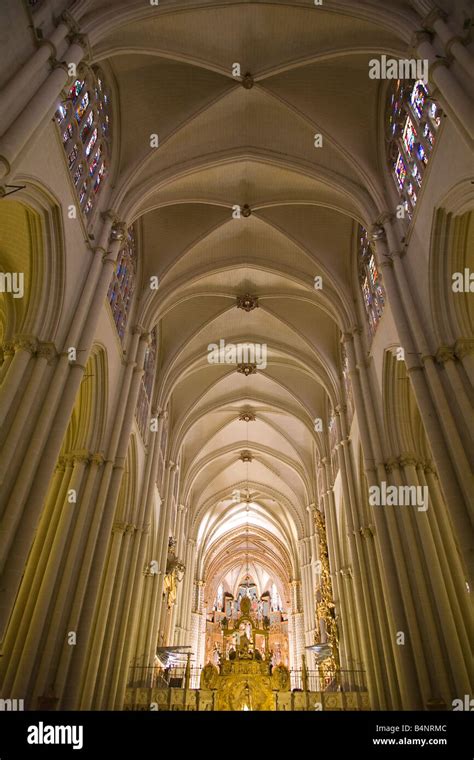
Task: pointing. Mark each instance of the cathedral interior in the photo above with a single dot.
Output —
(236, 354)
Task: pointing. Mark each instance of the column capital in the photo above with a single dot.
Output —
(367, 531)
(81, 456)
(464, 347)
(408, 459)
(69, 19)
(26, 343)
(444, 354)
(420, 36)
(55, 63)
(47, 351)
(141, 331)
(119, 527)
(391, 464)
(440, 61)
(432, 16)
(377, 229)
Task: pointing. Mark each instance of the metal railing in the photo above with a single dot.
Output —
(145, 677)
(337, 680)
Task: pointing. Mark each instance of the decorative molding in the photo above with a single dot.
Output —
(367, 531)
(247, 416)
(247, 81)
(247, 368)
(246, 456)
(26, 343)
(247, 302)
(464, 347)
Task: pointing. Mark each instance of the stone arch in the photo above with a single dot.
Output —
(32, 241)
(403, 424)
(88, 420)
(127, 501)
(452, 251)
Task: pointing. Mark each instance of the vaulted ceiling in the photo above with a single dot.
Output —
(227, 141)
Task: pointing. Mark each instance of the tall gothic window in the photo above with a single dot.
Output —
(370, 281)
(412, 120)
(84, 123)
(146, 387)
(123, 283)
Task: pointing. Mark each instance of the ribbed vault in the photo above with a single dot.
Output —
(222, 146)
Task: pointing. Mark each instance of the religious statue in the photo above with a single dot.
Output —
(209, 676)
(174, 574)
(170, 588)
(245, 652)
(280, 678)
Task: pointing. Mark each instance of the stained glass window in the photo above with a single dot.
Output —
(412, 121)
(84, 123)
(370, 281)
(146, 388)
(123, 282)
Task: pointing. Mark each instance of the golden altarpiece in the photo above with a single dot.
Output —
(245, 679)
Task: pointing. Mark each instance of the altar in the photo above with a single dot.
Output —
(244, 678)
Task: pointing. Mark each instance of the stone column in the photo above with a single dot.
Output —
(453, 93)
(107, 521)
(18, 624)
(25, 348)
(446, 357)
(433, 18)
(82, 614)
(449, 561)
(437, 683)
(395, 574)
(17, 84)
(115, 573)
(135, 590)
(37, 621)
(57, 633)
(464, 351)
(39, 107)
(375, 615)
(21, 516)
(14, 441)
(430, 415)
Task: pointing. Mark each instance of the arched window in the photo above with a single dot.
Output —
(84, 123)
(123, 283)
(412, 121)
(370, 282)
(146, 387)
